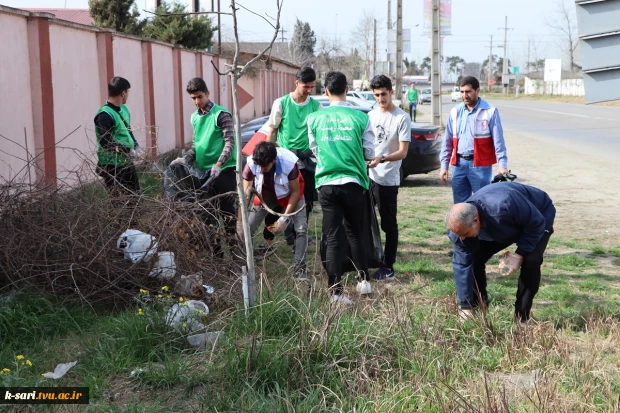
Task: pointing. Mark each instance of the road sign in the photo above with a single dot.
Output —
(491, 82)
(516, 70)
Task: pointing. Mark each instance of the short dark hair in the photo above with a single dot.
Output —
(117, 86)
(470, 80)
(306, 74)
(380, 82)
(336, 83)
(197, 85)
(264, 153)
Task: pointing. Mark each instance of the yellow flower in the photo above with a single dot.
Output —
(19, 357)
(159, 296)
(5, 370)
(28, 362)
(184, 325)
(42, 374)
(164, 288)
(181, 299)
(143, 291)
(140, 311)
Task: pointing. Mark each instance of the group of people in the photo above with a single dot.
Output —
(342, 153)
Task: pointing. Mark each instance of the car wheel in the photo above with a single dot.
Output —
(402, 175)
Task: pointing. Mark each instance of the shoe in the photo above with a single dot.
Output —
(466, 314)
(301, 272)
(264, 250)
(310, 239)
(340, 300)
(363, 287)
(383, 273)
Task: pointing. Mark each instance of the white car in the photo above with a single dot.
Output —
(456, 94)
(368, 96)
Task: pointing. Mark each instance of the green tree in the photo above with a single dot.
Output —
(426, 64)
(455, 63)
(185, 30)
(302, 45)
(120, 15)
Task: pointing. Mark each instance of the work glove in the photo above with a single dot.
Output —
(215, 171)
(509, 264)
(279, 226)
(178, 161)
(138, 152)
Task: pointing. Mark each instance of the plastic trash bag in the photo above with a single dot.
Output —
(165, 268)
(60, 370)
(183, 317)
(137, 246)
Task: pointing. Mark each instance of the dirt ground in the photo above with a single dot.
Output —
(584, 189)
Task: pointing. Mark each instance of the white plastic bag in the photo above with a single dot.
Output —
(165, 268)
(137, 245)
(60, 370)
(183, 317)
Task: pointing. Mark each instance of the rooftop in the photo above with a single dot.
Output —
(80, 16)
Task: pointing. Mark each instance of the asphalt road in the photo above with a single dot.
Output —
(591, 130)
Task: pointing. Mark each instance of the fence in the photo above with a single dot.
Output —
(54, 78)
(566, 87)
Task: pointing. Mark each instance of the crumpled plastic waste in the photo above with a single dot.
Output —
(183, 317)
(165, 268)
(137, 246)
(60, 370)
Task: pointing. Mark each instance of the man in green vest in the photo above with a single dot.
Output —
(342, 140)
(116, 144)
(212, 154)
(288, 122)
(412, 98)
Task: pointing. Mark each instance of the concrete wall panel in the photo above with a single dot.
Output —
(16, 111)
(188, 72)
(164, 97)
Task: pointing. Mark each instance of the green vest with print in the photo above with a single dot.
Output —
(120, 134)
(338, 133)
(209, 140)
(293, 131)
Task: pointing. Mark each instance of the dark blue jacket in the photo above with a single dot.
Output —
(509, 213)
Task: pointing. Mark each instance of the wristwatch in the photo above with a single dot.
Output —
(382, 159)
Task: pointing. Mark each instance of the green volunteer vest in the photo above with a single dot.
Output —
(412, 95)
(338, 132)
(209, 140)
(293, 131)
(120, 135)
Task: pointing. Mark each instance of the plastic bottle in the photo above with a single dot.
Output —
(504, 269)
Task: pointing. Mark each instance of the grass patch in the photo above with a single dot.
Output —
(571, 262)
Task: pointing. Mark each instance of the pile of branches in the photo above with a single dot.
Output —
(64, 242)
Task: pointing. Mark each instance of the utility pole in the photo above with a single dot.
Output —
(505, 65)
(374, 48)
(219, 29)
(389, 28)
(436, 66)
(282, 36)
(490, 75)
(399, 48)
(527, 64)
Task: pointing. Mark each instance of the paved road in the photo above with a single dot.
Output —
(591, 130)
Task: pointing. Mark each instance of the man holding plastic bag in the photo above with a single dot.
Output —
(492, 219)
(274, 173)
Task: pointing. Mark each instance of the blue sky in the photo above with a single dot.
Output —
(473, 21)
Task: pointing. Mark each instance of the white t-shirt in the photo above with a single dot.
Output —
(390, 128)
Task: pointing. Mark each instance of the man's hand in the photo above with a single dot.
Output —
(280, 225)
(374, 162)
(502, 171)
(178, 161)
(443, 175)
(509, 264)
(215, 171)
(139, 152)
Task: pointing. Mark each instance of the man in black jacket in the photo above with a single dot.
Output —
(490, 220)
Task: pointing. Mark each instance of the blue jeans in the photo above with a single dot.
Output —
(413, 108)
(467, 179)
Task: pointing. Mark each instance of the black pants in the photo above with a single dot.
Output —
(309, 189)
(338, 202)
(386, 198)
(529, 277)
(120, 178)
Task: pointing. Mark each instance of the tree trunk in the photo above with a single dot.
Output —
(243, 202)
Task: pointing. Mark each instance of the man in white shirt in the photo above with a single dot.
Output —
(392, 127)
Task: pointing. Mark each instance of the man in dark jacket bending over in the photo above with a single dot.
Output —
(490, 220)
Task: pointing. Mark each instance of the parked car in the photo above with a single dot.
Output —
(456, 94)
(424, 96)
(367, 95)
(422, 157)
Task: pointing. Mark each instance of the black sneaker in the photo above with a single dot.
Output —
(383, 273)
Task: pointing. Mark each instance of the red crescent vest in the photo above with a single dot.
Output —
(484, 149)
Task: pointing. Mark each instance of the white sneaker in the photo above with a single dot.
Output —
(363, 287)
(340, 299)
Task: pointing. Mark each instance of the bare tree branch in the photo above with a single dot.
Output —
(262, 17)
